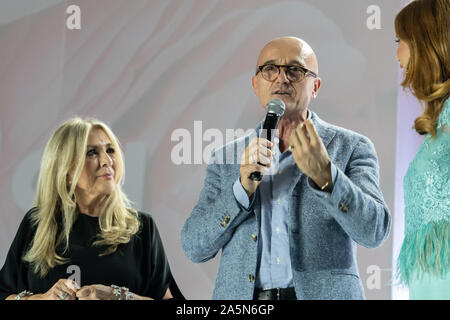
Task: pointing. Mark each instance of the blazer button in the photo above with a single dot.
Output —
(251, 278)
(254, 237)
(225, 221)
(343, 207)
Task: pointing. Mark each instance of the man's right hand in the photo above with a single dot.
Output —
(256, 157)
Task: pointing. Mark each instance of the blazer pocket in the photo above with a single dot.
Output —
(344, 273)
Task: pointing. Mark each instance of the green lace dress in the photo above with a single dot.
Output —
(424, 260)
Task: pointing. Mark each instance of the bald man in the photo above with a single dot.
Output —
(293, 234)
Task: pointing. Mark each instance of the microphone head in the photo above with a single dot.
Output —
(276, 106)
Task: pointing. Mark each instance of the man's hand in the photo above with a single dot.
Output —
(310, 154)
(257, 151)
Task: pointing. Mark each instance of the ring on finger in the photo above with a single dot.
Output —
(291, 147)
(63, 295)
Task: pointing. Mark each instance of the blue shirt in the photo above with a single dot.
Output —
(273, 246)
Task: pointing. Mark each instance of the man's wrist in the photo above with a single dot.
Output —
(325, 178)
(326, 186)
(249, 194)
(324, 182)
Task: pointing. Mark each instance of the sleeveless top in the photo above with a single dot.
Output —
(426, 246)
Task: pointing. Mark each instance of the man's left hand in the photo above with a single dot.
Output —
(310, 153)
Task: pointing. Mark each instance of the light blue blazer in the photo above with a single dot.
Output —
(324, 228)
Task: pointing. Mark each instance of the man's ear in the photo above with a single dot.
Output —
(255, 86)
(317, 84)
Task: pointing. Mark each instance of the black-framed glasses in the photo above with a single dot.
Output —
(294, 73)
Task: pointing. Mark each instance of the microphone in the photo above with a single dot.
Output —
(275, 109)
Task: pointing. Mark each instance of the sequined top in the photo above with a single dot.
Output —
(427, 205)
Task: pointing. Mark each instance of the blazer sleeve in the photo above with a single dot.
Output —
(356, 201)
(216, 215)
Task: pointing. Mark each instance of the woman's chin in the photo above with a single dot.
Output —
(107, 189)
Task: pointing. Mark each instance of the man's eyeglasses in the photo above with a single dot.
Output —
(293, 73)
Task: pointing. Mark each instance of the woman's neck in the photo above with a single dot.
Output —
(88, 204)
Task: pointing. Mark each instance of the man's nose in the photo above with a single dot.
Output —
(282, 76)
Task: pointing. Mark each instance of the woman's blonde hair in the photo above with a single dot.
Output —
(425, 26)
(56, 202)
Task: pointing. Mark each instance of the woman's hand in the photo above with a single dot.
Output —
(96, 292)
(101, 292)
(69, 290)
(63, 289)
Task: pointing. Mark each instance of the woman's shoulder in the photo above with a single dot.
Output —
(144, 217)
(147, 227)
(146, 221)
(30, 219)
(25, 232)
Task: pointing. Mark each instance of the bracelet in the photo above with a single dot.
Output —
(129, 295)
(22, 294)
(117, 291)
(324, 186)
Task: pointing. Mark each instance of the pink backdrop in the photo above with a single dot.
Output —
(148, 67)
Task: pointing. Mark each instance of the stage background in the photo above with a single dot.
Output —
(148, 67)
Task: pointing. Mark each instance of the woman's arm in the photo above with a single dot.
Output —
(63, 289)
(101, 292)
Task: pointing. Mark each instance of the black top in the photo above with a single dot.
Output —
(140, 265)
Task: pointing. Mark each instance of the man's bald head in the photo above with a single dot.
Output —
(287, 52)
(289, 47)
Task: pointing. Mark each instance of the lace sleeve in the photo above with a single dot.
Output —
(444, 118)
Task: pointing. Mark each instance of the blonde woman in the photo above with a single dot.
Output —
(83, 227)
(423, 30)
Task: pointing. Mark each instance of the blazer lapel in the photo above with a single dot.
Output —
(323, 129)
